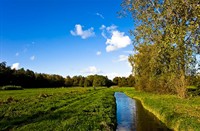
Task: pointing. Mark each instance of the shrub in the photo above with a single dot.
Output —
(11, 87)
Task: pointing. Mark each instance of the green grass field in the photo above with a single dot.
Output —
(58, 109)
(88, 109)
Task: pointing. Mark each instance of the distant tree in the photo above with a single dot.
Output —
(76, 80)
(56, 80)
(68, 82)
(82, 81)
(122, 82)
(131, 81)
(116, 80)
(109, 83)
(41, 80)
(91, 79)
(99, 81)
(5, 74)
(29, 79)
(19, 77)
(87, 83)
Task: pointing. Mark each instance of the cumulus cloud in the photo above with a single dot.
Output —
(91, 70)
(84, 34)
(15, 66)
(100, 15)
(117, 39)
(98, 53)
(32, 58)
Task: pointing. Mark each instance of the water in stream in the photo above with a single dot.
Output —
(131, 116)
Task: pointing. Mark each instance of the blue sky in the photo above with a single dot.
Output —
(65, 37)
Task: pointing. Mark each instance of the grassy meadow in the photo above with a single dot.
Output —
(88, 109)
(57, 109)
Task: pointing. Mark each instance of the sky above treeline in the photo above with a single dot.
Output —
(66, 37)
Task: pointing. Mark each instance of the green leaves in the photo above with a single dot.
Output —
(166, 36)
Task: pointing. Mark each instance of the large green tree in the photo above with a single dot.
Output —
(166, 41)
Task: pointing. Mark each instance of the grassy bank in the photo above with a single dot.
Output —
(176, 113)
(57, 109)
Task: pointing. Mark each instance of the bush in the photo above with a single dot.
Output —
(198, 85)
(11, 87)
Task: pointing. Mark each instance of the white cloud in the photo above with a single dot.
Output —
(123, 58)
(15, 66)
(107, 31)
(112, 75)
(111, 28)
(84, 34)
(17, 54)
(104, 35)
(98, 53)
(102, 27)
(117, 39)
(100, 15)
(91, 70)
(32, 58)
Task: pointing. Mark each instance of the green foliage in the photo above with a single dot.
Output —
(124, 81)
(11, 87)
(68, 81)
(87, 83)
(194, 80)
(99, 81)
(29, 79)
(166, 42)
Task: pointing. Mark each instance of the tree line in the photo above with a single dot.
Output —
(30, 79)
(167, 36)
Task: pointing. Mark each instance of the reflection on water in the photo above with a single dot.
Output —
(131, 116)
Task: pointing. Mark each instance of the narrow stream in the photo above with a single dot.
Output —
(131, 116)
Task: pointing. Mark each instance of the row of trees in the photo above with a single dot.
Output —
(124, 81)
(166, 43)
(91, 80)
(29, 79)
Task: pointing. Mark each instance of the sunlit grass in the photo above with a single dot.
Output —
(58, 109)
